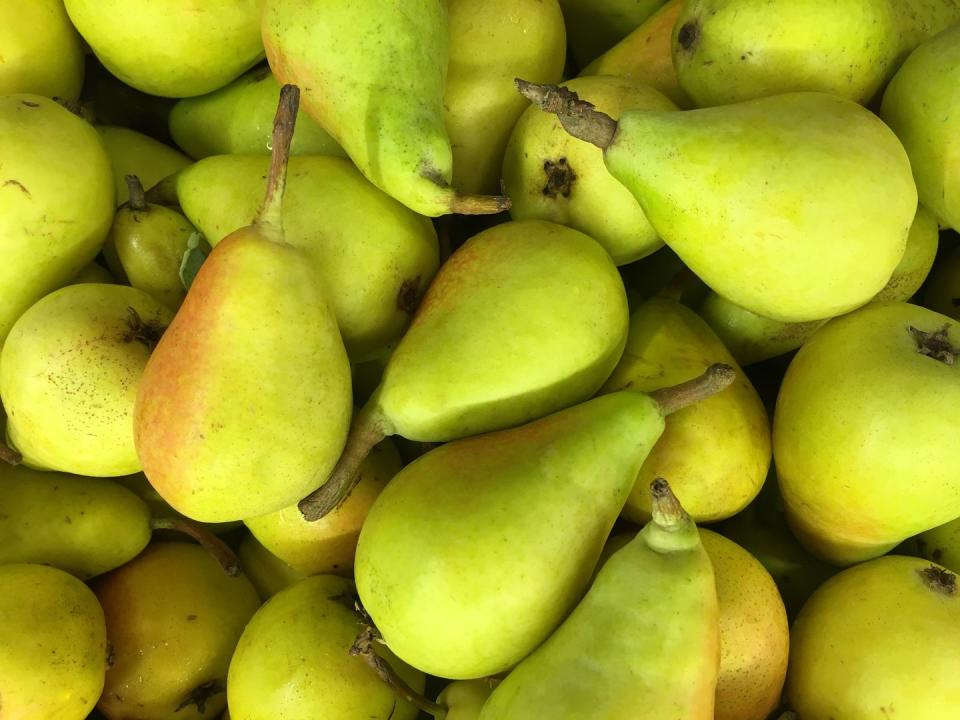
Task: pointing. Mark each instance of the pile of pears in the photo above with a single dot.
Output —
(479, 360)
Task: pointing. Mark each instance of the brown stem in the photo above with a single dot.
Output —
(135, 189)
(284, 123)
(368, 429)
(363, 647)
(9, 455)
(479, 204)
(207, 540)
(667, 510)
(715, 378)
(578, 117)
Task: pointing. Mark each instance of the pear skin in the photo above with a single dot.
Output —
(56, 202)
(597, 25)
(464, 699)
(863, 440)
(268, 573)
(877, 640)
(293, 660)
(69, 376)
(133, 153)
(942, 545)
(668, 343)
(93, 272)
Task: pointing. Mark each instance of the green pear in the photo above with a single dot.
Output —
(491, 43)
(54, 644)
(160, 508)
(878, 640)
(525, 318)
(177, 48)
(42, 53)
(133, 153)
(551, 488)
(56, 200)
(645, 638)
(93, 272)
(942, 292)
(733, 50)
(69, 373)
(374, 254)
(374, 76)
(268, 573)
(464, 699)
(293, 660)
(668, 343)
(252, 358)
(597, 25)
(752, 338)
(238, 119)
(772, 183)
(149, 241)
(173, 620)
(922, 105)
(551, 175)
(942, 544)
(863, 431)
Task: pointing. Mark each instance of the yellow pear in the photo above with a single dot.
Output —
(942, 545)
(268, 573)
(133, 153)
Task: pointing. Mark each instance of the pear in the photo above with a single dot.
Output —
(862, 438)
(523, 319)
(464, 699)
(554, 487)
(252, 357)
(174, 49)
(42, 53)
(597, 25)
(93, 272)
(375, 255)
(373, 76)
(733, 50)
(69, 373)
(770, 183)
(645, 55)
(550, 175)
(293, 660)
(877, 640)
(752, 338)
(173, 620)
(133, 153)
(491, 43)
(56, 200)
(238, 119)
(942, 544)
(668, 343)
(942, 291)
(645, 637)
(54, 645)
(149, 241)
(328, 546)
(268, 573)
(922, 105)
(160, 508)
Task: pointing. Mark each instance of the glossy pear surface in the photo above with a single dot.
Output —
(133, 153)
(425, 568)
(268, 573)
(922, 105)
(173, 620)
(54, 649)
(293, 661)
(56, 203)
(754, 196)
(85, 526)
(42, 53)
(491, 43)
(876, 639)
(177, 48)
(69, 373)
(238, 120)
(597, 25)
(668, 344)
(551, 175)
(375, 256)
(862, 438)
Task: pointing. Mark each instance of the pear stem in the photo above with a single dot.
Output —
(363, 647)
(479, 204)
(715, 378)
(284, 123)
(578, 117)
(367, 430)
(9, 455)
(668, 513)
(136, 201)
(207, 540)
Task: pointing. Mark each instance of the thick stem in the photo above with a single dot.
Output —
(284, 123)
(667, 510)
(578, 117)
(207, 540)
(9, 455)
(137, 200)
(715, 378)
(479, 204)
(367, 430)
(363, 647)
